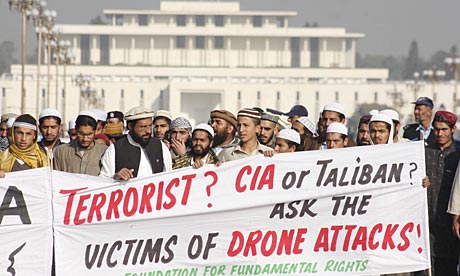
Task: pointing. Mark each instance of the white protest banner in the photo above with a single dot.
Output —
(26, 233)
(355, 211)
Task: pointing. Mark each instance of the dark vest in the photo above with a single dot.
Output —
(129, 156)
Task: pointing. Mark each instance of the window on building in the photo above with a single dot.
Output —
(200, 20)
(295, 52)
(3, 92)
(218, 42)
(143, 20)
(119, 19)
(239, 95)
(336, 96)
(356, 96)
(314, 52)
(280, 22)
(258, 95)
(277, 95)
(181, 20)
(219, 21)
(317, 96)
(376, 97)
(180, 42)
(297, 97)
(200, 42)
(105, 49)
(85, 49)
(142, 94)
(257, 21)
(122, 93)
(102, 93)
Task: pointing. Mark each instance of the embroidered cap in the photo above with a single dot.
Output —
(249, 112)
(269, 117)
(308, 123)
(445, 116)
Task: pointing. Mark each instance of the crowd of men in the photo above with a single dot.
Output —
(142, 142)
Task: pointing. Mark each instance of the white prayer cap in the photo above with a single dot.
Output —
(101, 115)
(289, 134)
(381, 118)
(337, 128)
(71, 124)
(308, 123)
(163, 113)
(373, 112)
(10, 122)
(88, 113)
(336, 107)
(391, 113)
(205, 127)
(48, 112)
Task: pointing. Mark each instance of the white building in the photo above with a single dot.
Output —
(193, 57)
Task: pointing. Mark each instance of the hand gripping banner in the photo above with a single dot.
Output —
(354, 211)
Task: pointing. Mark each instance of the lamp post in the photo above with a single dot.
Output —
(38, 17)
(434, 75)
(66, 58)
(24, 7)
(414, 84)
(49, 17)
(85, 89)
(454, 64)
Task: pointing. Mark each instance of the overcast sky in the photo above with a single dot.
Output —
(389, 25)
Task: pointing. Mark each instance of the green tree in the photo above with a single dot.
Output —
(413, 63)
(7, 52)
(97, 21)
(393, 64)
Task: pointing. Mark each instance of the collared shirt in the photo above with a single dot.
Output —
(218, 149)
(75, 159)
(425, 132)
(235, 152)
(108, 160)
(56, 146)
(440, 168)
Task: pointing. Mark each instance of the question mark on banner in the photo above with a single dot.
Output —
(413, 170)
(214, 181)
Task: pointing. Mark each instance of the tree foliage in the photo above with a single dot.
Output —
(97, 21)
(7, 53)
(361, 110)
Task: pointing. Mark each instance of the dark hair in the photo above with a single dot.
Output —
(388, 126)
(442, 119)
(84, 120)
(58, 120)
(341, 116)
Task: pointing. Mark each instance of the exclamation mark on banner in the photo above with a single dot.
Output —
(419, 232)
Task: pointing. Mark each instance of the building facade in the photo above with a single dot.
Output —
(193, 57)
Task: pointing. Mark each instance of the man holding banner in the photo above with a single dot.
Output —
(137, 154)
(24, 152)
